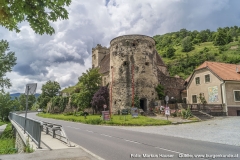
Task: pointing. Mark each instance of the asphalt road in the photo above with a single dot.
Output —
(112, 143)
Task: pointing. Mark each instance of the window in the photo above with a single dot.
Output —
(237, 95)
(147, 63)
(125, 63)
(197, 79)
(194, 98)
(207, 78)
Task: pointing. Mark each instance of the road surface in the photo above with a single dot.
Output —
(112, 143)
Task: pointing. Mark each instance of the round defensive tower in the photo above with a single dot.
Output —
(133, 71)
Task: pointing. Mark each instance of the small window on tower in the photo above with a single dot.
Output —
(147, 63)
(125, 63)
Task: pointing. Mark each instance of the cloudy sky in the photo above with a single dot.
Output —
(65, 55)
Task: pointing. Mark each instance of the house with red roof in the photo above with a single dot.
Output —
(216, 83)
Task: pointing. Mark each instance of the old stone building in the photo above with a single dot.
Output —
(132, 67)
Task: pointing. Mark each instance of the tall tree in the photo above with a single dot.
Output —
(49, 90)
(22, 101)
(7, 61)
(91, 81)
(38, 13)
(6, 105)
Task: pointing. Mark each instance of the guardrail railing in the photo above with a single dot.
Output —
(56, 131)
(33, 127)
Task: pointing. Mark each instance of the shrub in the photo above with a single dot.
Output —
(186, 113)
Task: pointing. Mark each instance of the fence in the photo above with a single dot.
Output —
(56, 131)
(33, 127)
(212, 109)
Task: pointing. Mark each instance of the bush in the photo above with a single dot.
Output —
(94, 121)
(68, 113)
(186, 113)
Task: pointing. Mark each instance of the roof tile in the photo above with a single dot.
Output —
(225, 71)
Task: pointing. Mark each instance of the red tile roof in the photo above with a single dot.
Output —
(225, 71)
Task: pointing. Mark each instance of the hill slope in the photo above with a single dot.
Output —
(185, 50)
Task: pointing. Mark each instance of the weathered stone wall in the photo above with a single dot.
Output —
(19, 144)
(172, 85)
(132, 58)
(97, 55)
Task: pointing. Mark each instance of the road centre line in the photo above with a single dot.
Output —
(127, 140)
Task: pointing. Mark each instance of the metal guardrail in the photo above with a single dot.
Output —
(33, 127)
(56, 131)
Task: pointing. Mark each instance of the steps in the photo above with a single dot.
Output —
(201, 115)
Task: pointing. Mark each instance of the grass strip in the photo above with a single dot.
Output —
(7, 141)
(118, 120)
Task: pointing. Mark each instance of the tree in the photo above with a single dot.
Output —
(49, 90)
(100, 98)
(39, 14)
(187, 44)
(7, 61)
(222, 38)
(6, 105)
(90, 81)
(22, 101)
(170, 52)
(160, 91)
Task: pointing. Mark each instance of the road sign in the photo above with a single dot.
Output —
(105, 115)
(134, 112)
(166, 98)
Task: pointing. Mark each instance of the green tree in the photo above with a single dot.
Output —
(170, 52)
(90, 81)
(49, 90)
(7, 61)
(187, 44)
(221, 37)
(22, 101)
(160, 91)
(38, 13)
(6, 105)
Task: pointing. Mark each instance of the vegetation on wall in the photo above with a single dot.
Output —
(160, 91)
(185, 50)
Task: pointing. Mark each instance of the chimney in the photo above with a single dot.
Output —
(237, 70)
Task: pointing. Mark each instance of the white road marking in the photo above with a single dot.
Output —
(136, 142)
(131, 141)
(106, 135)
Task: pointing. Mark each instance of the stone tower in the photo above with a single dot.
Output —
(133, 71)
(98, 54)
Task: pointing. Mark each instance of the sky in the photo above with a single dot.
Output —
(65, 55)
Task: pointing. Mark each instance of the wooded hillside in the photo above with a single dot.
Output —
(185, 50)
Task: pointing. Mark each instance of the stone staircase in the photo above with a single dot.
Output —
(201, 115)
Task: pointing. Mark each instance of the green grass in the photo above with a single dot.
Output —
(7, 141)
(2, 123)
(119, 120)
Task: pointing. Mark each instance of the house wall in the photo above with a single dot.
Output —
(232, 105)
(206, 88)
